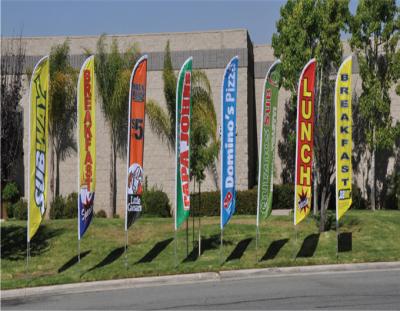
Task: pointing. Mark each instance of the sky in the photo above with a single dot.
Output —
(35, 18)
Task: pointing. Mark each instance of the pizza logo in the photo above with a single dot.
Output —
(228, 200)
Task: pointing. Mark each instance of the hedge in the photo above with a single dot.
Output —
(246, 201)
(156, 203)
(62, 208)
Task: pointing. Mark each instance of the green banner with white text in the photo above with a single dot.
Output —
(183, 113)
(267, 140)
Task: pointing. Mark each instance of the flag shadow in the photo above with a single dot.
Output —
(309, 246)
(345, 242)
(155, 251)
(207, 244)
(110, 258)
(72, 261)
(239, 250)
(274, 249)
(13, 241)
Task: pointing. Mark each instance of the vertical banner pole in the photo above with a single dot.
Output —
(221, 247)
(27, 257)
(28, 250)
(194, 186)
(295, 242)
(337, 239)
(198, 216)
(79, 250)
(175, 246)
(187, 236)
(257, 235)
(126, 248)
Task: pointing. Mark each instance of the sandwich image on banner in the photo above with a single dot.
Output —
(304, 142)
(38, 142)
(267, 140)
(343, 138)
(182, 142)
(136, 119)
(86, 144)
(228, 143)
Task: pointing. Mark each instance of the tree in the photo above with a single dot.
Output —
(311, 28)
(203, 139)
(294, 43)
(332, 18)
(12, 66)
(62, 111)
(375, 38)
(113, 70)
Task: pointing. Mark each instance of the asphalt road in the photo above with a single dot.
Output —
(373, 289)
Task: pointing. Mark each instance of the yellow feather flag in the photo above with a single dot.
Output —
(344, 142)
(38, 142)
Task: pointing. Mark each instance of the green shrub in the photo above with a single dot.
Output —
(358, 202)
(210, 205)
(11, 193)
(246, 201)
(71, 206)
(21, 210)
(101, 214)
(283, 196)
(156, 203)
(392, 199)
(57, 208)
(9, 208)
(330, 220)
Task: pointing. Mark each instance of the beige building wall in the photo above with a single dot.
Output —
(159, 165)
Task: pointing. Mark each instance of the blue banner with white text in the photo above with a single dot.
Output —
(228, 143)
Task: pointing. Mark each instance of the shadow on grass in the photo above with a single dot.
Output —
(72, 261)
(345, 242)
(110, 258)
(309, 246)
(155, 251)
(13, 241)
(210, 243)
(274, 249)
(239, 250)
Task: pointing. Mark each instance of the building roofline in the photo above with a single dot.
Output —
(129, 35)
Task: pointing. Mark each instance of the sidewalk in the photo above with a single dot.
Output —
(190, 278)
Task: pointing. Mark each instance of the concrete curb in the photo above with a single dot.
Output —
(83, 287)
(190, 278)
(250, 273)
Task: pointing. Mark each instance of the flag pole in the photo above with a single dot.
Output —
(257, 236)
(79, 250)
(187, 236)
(221, 247)
(126, 248)
(175, 247)
(295, 242)
(27, 256)
(194, 187)
(337, 239)
(257, 219)
(28, 250)
(198, 216)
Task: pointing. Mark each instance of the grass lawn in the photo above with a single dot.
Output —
(365, 237)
